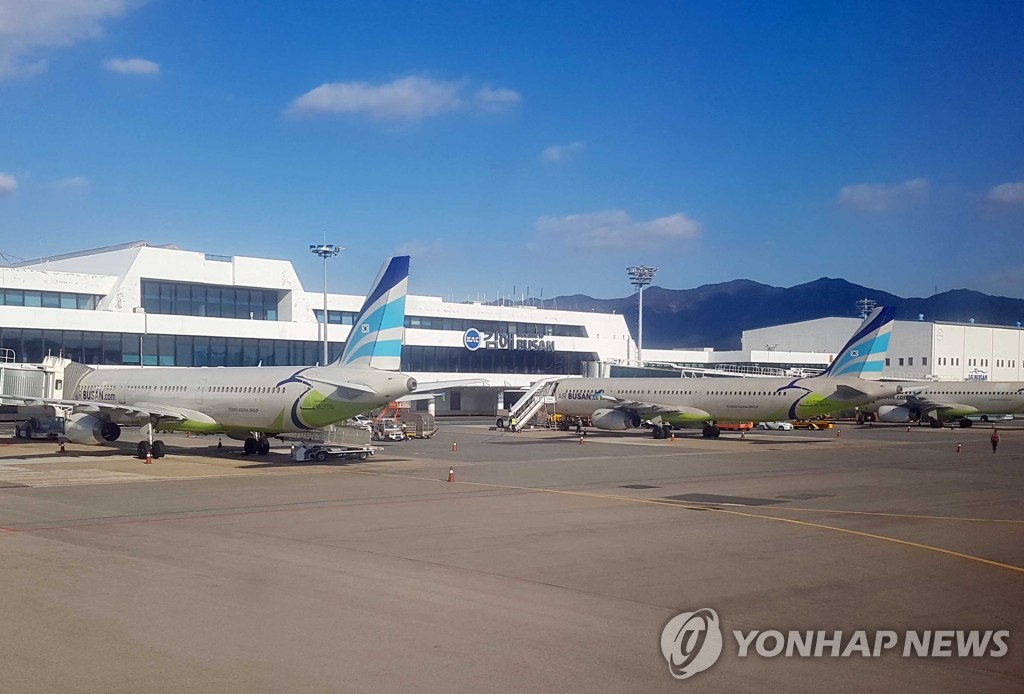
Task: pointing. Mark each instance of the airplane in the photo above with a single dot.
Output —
(942, 401)
(623, 403)
(249, 403)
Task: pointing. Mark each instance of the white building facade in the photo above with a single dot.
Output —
(917, 349)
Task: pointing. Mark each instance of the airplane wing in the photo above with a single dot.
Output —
(435, 386)
(926, 404)
(112, 410)
(345, 385)
(650, 409)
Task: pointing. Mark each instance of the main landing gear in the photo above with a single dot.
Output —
(710, 431)
(661, 431)
(254, 446)
(149, 446)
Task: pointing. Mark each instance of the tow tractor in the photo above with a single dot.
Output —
(40, 428)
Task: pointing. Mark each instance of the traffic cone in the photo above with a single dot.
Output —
(62, 448)
(149, 457)
(743, 434)
(455, 447)
(908, 428)
(673, 436)
(839, 432)
(581, 440)
(451, 474)
(959, 447)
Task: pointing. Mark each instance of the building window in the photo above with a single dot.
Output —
(910, 361)
(40, 299)
(924, 361)
(901, 361)
(887, 360)
(182, 299)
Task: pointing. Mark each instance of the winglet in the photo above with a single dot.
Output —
(377, 333)
(864, 354)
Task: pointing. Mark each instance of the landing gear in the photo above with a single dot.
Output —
(666, 431)
(710, 431)
(656, 432)
(157, 449)
(967, 424)
(935, 423)
(255, 446)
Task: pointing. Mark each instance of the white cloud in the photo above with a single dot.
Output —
(28, 27)
(406, 98)
(8, 184)
(615, 229)
(880, 197)
(1007, 193)
(75, 183)
(131, 66)
(559, 153)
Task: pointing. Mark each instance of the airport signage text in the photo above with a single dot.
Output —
(475, 339)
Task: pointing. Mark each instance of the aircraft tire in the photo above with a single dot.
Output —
(657, 433)
(966, 423)
(142, 450)
(263, 447)
(250, 446)
(935, 423)
(159, 449)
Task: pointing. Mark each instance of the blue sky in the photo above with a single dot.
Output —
(546, 145)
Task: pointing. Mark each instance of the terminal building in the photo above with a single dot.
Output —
(139, 304)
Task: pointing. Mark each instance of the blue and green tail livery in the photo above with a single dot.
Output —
(864, 354)
(376, 338)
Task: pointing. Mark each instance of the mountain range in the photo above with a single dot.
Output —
(714, 315)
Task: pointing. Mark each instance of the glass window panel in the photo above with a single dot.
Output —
(68, 300)
(198, 301)
(218, 351)
(201, 349)
(281, 353)
(51, 300)
(234, 352)
(250, 352)
(214, 297)
(85, 302)
(266, 352)
(182, 299)
(166, 350)
(120, 349)
(33, 298)
(90, 350)
(312, 353)
(241, 303)
(150, 350)
(72, 343)
(32, 345)
(15, 297)
(183, 350)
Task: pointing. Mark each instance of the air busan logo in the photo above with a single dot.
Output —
(692, 642)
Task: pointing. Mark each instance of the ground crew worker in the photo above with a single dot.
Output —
(995, 439)
(512, 423)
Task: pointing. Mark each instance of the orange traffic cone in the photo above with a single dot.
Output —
(455, 447)
(673, 436)
(149, 457)
(959, 448)
(581, 440)
(62, 448)
(451, 474)
(839, 432)
(743, 434)
(908, 428)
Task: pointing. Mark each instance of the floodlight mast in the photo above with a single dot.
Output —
(640, 276)
(325, 251)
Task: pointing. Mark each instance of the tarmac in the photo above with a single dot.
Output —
(547, 565)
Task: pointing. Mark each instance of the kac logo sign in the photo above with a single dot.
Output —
(691, 642)
(472, 339)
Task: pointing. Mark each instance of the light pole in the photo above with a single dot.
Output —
(640, 276)
(325, 251)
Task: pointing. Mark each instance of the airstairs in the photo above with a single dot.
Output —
(538, 395)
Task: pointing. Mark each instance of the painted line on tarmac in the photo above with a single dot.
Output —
(658, 502)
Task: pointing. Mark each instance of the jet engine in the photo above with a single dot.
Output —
(615, 420)
(896, 413)
(88, 430)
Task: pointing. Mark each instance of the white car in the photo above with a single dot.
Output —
(361, 421)
(777, 426)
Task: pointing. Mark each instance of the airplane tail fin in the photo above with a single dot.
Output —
(864, 354)
(377, 334)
